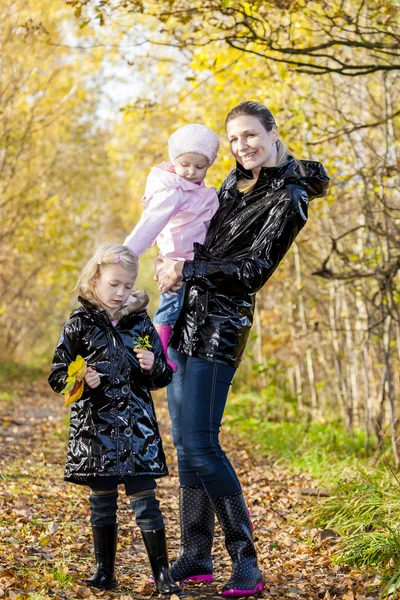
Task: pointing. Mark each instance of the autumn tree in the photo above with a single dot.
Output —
(345, 37)
(56, 185)
(326, 334)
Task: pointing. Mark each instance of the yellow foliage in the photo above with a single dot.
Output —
(73, 390)
(77, 369)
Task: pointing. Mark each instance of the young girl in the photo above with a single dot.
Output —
(178, 208)
(114, 436)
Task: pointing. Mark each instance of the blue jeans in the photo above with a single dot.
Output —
(169, 308)
(196, 402)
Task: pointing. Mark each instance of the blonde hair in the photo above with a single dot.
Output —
(264, 115)
(106, 254)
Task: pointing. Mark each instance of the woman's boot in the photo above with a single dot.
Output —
(197, 534)
(156, 547)
(246, 578)
(105, 548)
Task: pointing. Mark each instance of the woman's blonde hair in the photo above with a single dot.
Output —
(264, 115)
(106, 254)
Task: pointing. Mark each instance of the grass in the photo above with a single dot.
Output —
(363, 506)
(11, 371)
(365, 510)
(61, 576)
(321, 449)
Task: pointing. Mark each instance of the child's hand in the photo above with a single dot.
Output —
(146, 358)
(92, 378)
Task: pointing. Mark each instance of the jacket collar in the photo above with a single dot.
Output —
(137, 302)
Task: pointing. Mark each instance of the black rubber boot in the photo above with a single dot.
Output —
(105, 548)
(156, 547)
(246, 578)
(197, 535)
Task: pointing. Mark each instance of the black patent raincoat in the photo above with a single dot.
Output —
(247, 238)
(113, 428)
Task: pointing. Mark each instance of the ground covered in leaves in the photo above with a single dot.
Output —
(45, 537)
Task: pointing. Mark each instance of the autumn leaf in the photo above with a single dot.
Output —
(75, 393)
(78, 368)
(73, 390)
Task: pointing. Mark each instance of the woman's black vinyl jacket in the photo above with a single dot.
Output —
(113, 428)
(247, 239)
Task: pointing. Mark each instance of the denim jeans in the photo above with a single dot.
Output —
(140, 489)
(169, 308)
(196, 402)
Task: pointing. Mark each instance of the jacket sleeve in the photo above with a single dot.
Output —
(161, 374)
(66, 351)
(161, 207)
(315, 181)
(236, 277)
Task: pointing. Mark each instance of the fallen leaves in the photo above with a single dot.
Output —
(145, 588)
(45, 534)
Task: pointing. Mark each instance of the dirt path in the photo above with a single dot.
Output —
(45, 540)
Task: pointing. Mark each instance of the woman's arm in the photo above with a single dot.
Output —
(66, 351)
(250, 274)
(235, 277)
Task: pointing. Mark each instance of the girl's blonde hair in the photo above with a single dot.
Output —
(106, 254)
(264, 115)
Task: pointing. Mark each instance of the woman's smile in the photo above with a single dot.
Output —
(251, 144)
(248, 156)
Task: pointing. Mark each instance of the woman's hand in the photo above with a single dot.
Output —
(168, 274)
(92, 378)
(146, 358)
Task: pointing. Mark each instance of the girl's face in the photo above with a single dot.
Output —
(191, 166)
(113, 286)
(251, 144)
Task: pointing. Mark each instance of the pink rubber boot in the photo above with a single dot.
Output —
(164, 332)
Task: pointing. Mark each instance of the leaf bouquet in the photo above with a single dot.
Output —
(74, 382)
(142, 343)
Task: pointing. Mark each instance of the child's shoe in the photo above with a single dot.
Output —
(164, 331)
(156, 547)
(105, 548)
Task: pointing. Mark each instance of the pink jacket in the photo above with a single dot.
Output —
(176, 213)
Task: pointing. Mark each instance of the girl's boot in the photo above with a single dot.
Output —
(197, 534)
(246, 578)
(105, 548)
(164, 331)
(156, 547)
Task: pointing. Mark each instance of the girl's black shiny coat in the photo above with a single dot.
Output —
(113, 428)
(248, 237)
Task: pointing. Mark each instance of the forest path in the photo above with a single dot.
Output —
(45, 536)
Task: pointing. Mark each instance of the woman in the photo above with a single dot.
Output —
(263, 206)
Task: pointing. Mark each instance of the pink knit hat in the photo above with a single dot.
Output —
(194, 138)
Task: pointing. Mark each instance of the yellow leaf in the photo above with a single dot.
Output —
(45, 541)
(78, 368)
(75, 393)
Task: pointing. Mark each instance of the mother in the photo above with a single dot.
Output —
(263, 206)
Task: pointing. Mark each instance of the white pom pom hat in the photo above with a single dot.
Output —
(194, 138)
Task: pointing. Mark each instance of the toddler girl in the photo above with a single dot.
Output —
(114, 436)
(178, 208)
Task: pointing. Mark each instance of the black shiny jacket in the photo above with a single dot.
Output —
(113, 428)
(247, 239)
